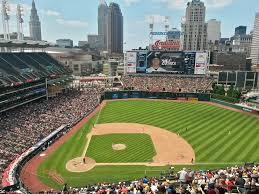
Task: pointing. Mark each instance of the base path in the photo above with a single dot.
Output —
(170, 148)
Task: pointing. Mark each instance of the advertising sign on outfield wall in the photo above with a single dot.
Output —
(201, 63)
(131, 62)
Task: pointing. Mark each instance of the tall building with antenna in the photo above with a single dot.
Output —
(34, 24)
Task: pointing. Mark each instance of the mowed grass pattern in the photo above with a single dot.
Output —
(208, 129)
(139, 148)
(217, 135)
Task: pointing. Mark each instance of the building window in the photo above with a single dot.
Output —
(76, 67)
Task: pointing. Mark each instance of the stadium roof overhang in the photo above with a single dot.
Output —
(23, 44)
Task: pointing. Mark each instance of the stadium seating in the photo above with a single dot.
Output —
(18, 68)
(167, 83)
(39, 119)
(229, 180)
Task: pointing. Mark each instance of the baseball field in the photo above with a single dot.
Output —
(126, 140)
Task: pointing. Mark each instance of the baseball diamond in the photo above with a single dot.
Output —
(210, 130)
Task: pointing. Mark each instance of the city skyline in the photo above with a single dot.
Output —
(58, 21)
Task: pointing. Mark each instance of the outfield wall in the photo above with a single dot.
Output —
(245, 109)
(155, 95)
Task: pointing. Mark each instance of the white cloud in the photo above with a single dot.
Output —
(218, 3)
(51, 13)
(62, 21)
(72, 23)
(181, 4)
(130, 2)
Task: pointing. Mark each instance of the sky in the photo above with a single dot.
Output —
(75, 19)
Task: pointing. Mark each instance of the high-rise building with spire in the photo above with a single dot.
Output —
(115, 29)
(34, 24)
(103, 24)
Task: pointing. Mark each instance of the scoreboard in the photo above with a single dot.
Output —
(167, 62)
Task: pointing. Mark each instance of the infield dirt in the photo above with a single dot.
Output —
(170, 147)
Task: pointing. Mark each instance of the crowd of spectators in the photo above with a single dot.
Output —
(167, 83)
(231, 180)
(23, 127)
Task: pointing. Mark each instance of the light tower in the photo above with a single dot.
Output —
(19, 22)
(167, 23)
(5, 19)
(151, 29)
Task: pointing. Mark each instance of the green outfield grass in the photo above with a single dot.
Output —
(139, 148)
(219, 137)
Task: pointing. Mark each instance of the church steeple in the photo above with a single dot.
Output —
(35, 25)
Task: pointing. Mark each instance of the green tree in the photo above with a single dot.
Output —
(237, 94)
(230, 91)
(221, 90)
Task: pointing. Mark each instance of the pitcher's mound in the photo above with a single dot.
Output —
(118, 147)
(80, 164)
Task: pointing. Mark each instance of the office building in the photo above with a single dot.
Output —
(103, 24)
(213, 31)
(115, 29)
(255, 42)
(64, 43)
(34, 24)
(95, 41)
(82, 43)
(230, 61)
(242, 44)
(240, 30)
(195, 28)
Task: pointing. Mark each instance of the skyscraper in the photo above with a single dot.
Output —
(34, 24)
(195, 28)
(103, 24)
(213, 30)
(240, 31)
(255, 42)
(115, 29)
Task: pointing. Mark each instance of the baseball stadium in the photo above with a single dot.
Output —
(152, 128)
(124, 133)
(78, 120)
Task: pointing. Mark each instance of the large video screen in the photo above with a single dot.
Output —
(165, 62)
(174, 62)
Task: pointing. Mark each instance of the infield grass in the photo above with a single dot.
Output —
(139, 148)
(219, 137)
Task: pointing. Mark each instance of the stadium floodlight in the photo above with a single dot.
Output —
(167, 23)
(20, 21)
(151, 21)
(5, 19)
